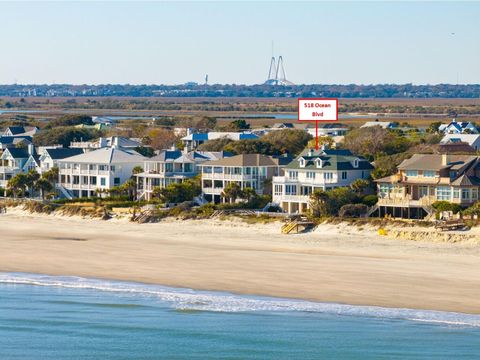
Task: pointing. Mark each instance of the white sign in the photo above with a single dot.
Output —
(318, 109)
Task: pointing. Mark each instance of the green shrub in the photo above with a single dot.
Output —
(440, 206)
(370, 200)
(353, 210)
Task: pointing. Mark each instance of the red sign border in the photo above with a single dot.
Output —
(322, 121)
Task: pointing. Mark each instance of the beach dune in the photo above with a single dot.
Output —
(333, 264)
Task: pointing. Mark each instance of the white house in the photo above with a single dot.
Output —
(20, 131)
(193, 140)
(13, 162)
(171, 166)
(82, 175)
(113, 141)
(471, 139)
(247, 170)
(382, 124)
(316, 170)
(458, 127)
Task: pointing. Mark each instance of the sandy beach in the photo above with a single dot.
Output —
(336, 263)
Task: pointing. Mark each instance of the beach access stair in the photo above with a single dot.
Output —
(297, 226)
(65, 192)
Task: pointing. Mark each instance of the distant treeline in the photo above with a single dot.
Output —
(262, 91)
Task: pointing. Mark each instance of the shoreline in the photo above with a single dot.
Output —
(335, 264)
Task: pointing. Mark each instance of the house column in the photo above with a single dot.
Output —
(289, 207)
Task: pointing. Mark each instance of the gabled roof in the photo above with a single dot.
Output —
(468, 138)
(246, 160)
(62, 153)
(15, 130)
(14, 139)
(107, 156)
(332, 159)
(17, 153)
(466, 180)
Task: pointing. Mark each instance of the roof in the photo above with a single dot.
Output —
(62, 153)
(107, 156)
(218, 135)
(466, 180)
(435, 162)
(383, 124)
(18, 153)
(455, 147)
(246, 160)
(467, 138)
(332, 159)
(333, 126)
(14, 139)
(15, 130)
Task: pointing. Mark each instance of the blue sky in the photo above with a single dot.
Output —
(176, 42)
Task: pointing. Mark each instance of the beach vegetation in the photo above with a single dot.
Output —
(69, 120)
(441, 206)
(178, 192)
(353, 210)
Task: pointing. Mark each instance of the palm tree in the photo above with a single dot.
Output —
(31, 177)
(44, 186)
(232, 192)
(18, 183)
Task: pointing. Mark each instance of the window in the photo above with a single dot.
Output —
(412, 173)
(248, 171)
(385, 189)
(218, 170)
(327, 176)
(319, 163)
(456, 193)
(310, 175)
(207, 169)
(85, 180)
(444, 193)
(187, 167)
(355, 163)
(290, 190)
(237, 171)
(112, 168)
(168, 167)
(278, 190)
(76, 179)
(102, 167)
(92, 167)
(474, 193)
(293, 175)
(302, 162)
(116, 181)
(344, 175)
(428, 173)
(93, 180)
(465, 194)
(103, 181)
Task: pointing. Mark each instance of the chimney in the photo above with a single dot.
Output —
(115, 142)
(102, 142)
(30, 149)
(444, 159)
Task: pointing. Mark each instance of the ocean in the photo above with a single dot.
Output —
(49, 317)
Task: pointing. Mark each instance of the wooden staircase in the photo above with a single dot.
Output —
(297, 226)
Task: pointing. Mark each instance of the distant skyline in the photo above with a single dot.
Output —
(178, 42)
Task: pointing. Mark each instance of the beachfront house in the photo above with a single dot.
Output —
(193, 140)
(424, 179)
(96, 171)
(312, 170)
(328, 129)
(171, 166)
(458, 127)
(14, 141)
(247, 170)
(13, 162)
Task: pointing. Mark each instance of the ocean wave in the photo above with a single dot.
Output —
(187, 299)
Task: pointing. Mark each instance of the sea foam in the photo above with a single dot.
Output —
(188, 299)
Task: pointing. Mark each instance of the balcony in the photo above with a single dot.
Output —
(406, 201)
(9, 169)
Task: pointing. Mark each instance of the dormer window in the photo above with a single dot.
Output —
(355, 163)
(319, 163)
(302, 162)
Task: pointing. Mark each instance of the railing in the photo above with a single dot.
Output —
(407, 201)
(8, 169)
